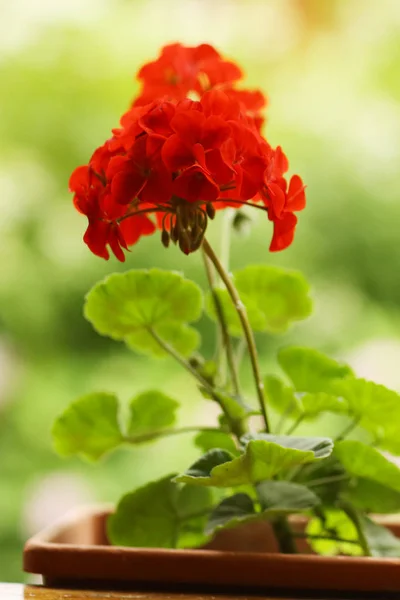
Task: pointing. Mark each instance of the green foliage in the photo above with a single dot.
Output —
(88, 427)
(232, 511)
(320, 447)
(335, 524)
(381, 541)
(208, 440)
(310, 370)
(151, 411)
(262, 459)
(285, 497)
(286, 401)
(273, 298)
(376, 407)
(137, 305)
(361, 460)
(158, 514)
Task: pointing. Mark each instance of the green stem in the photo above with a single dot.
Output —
(206, 385)
(284, 536)
(348, 429)
(226, 237)
(153, 435)
(353, 515)
(331, 538)
(295, 425)
(242, 314)
(324, 480)
(226, 339)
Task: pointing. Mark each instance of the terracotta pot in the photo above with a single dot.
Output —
(76, 552)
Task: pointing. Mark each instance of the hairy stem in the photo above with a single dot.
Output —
(242, 314)
(353, 515)
(226, 338)
(284, 536)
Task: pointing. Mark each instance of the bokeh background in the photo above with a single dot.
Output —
(331, 71)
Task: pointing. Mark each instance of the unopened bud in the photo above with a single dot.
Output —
(242, 223)
(174, 233)
(210, 210)
(165, 238)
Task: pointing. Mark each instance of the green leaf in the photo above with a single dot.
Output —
(284, 496)
(151, 411)
(286, 401)
(261, 460)
(281, 397)
(125, 306)
(160, 514)
(311, 371)
(276, 498)
(89, 427)
(363, 461)
(380, 540)
(321, 447)
(335, 524)
(377, 407)
(273, 298)
(208, 440)
(231, 512)
(372, 497)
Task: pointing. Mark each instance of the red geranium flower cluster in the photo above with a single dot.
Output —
(174, 162)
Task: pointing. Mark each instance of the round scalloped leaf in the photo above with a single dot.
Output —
(273, 297)
(127, 306)
(321, 447)
(151, 411)
(88, 427)
(310, 370)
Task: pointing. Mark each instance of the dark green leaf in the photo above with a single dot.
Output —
(284, 496)
(311, 371)
(231, 512)
(151, 411)
(89, 427)
(125, 306)
(372, 497)
(380, 540)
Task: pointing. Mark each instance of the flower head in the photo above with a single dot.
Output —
(174, 161)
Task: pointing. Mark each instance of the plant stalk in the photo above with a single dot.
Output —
(226, 339)
(242, 314)
(153, 435)
(284, 536)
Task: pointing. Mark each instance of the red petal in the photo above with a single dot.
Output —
(215, 132)
(283, 232)
(277, 199)
(96, 238)
(158, 119)
(221, 172)
(176, 154)
(79, 179)
(296, 198)
(126, 186)
(189, 125)
(134, 227)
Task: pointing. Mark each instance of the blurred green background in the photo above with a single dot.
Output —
(331, 71)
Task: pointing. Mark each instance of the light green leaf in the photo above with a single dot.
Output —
(159, 515)
(231, 512)
(321, 447)
(377, 407)
(208, 440)
(286, 401)
(363, 461)
(372, 497)
(380, 540)
(273, 298)
(336, 524)
(282, 397)
(151, 411)
(311, 371)
(261, 460)
(125, 306)
(284, 496)
(88, 427)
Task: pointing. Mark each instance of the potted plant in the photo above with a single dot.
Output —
(262, 506)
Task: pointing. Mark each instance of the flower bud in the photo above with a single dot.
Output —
(210, 210)
(165, 238)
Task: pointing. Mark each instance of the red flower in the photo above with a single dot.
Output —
(172, 163)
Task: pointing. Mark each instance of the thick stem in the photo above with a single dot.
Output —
(226, 339)
(284, 536)
(242, 314)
